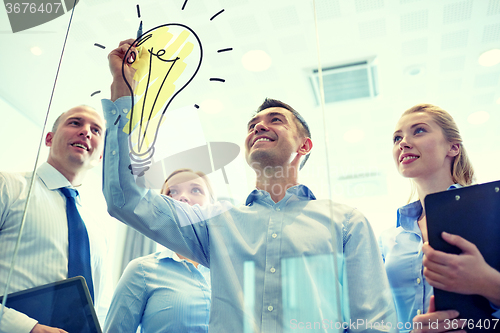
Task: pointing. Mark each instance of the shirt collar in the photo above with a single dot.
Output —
(167, 253)
(52, 178)
(408, 214)
(301, 191)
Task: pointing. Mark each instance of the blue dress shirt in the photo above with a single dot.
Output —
(163, 294)
(275, 267)
(402, 253)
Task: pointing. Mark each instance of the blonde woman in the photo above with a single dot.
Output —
(428, 149)
(166, 292)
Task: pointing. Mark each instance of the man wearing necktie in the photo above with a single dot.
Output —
(56, 244)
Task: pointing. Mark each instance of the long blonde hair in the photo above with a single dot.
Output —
(461, 168)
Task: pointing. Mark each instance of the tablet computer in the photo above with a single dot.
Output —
(472, 212)
(64, 304)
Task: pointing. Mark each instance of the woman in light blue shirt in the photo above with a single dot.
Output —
(164, 291)
(428, 149)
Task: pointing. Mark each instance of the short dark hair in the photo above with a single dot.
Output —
(299, 120)
(57, 122)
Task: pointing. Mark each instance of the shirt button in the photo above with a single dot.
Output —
(270, 308)
(277, 209)
(113, 112)
(418, 280)
(273, 270)
(125, 110)
(113, 152)
(419, 312)
(274, 235)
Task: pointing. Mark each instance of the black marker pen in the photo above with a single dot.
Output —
(139, 32)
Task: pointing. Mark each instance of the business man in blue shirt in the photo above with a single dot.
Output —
(281, 262)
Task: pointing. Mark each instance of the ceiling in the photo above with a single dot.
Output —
(439, 40)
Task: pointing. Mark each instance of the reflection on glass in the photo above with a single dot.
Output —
(311, 293)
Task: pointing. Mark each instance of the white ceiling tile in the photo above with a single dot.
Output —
(327, 9)
(491, 33)
(292, 44)
(372, 29)
(450, 86)
(457, 12)
(415, 21)
(233, 3)
(210, 32)
(454, 40)
(244, 25)
(283, 18)
(451, 64)
(95, 2)
(368, 5)
(493, 7)
(83, 32)
(486, 80)
(193, 7)
(115, 21)
(414, 47)
(482, 99)
(407, 1)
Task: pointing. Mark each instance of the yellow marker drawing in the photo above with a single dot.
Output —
(169, 58)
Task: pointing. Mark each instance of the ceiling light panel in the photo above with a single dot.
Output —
(478, 118)
(455, 40)
(457, 12)
(415, 21)
(489, 58)
(346, 82)
(372, 29)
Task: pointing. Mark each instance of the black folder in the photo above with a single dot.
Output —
(64, 304)
(472, 212)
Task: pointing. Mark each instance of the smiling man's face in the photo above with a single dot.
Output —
(78, 141)
(273, 138)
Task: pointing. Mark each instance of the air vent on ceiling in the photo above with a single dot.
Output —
(346, 82)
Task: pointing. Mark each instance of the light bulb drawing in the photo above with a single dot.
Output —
(169, 63)
(169, 57)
